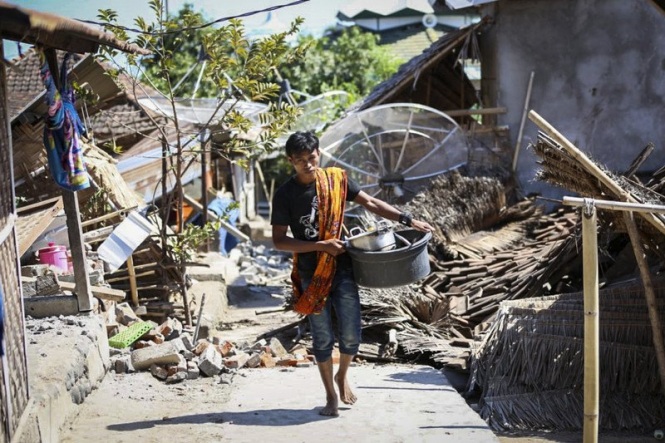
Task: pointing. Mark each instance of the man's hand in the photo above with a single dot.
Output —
(421, 226)
(332, 246)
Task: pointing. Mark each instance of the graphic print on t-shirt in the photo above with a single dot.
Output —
(310, 222)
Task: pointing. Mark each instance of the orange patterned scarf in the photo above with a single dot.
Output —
(331, 192)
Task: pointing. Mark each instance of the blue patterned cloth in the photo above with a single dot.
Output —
(62, 132)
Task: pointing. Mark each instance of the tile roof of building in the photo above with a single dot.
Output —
(410, 41)
(24, 82)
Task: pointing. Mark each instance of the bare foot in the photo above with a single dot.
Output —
(345, 392)
(330, 409)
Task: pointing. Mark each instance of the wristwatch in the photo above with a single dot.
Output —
(406, 218)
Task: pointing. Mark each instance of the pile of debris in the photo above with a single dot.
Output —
(483, 252)
(172, 352)
(260, 266)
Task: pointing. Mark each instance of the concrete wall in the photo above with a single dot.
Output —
(599, 76)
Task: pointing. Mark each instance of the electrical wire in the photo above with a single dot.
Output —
(193, 28)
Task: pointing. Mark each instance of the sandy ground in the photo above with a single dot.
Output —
(138, 408)
(396, 403)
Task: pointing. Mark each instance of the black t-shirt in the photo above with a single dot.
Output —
(296, 205)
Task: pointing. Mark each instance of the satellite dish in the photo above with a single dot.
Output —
(430, 20)
(393, 151)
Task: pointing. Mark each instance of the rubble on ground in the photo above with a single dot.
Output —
(260, 266)
(171, 353)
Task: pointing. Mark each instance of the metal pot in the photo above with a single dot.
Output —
(399, 267)
(379, 239)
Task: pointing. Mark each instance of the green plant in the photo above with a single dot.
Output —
(353, 61)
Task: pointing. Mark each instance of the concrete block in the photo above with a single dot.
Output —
(192, 371)
(277, 348)
(177, 377)
(254, 361)
(51, 305)
(121, 365)
(29, 285)
(210, 361)
(125, 314)
(140, 310)
(187, 341)
(237, 361)
(36, 270)
(164, 354)
(158, 372)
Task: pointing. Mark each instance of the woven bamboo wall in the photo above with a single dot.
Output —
(16, 372)
(14, 390)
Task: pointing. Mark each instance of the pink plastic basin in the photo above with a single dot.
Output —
(55, 255)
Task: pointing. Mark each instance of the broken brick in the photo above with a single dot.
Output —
(210, 361)
(267, 361)
(237, 361)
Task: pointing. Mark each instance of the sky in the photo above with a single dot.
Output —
(318, 14)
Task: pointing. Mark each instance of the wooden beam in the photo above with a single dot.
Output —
(639, 160)
(98, 291)
(77, 246)
(132, 280)
(481, 111)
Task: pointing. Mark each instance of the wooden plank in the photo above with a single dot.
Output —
(49, 210)
(132, 280)
(480, 111)
(75, 234)
(98, 291)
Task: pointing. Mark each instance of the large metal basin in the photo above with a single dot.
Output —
(398, 267)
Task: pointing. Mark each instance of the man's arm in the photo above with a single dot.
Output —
(385, 210)
(283, 242)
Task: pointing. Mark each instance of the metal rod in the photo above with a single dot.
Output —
(617, 206)
(591, 366)
(523, 122)
(204, 183)
(198, 319)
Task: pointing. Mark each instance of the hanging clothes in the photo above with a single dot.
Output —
(62, 131)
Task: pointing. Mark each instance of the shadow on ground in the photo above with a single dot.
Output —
(265, 417)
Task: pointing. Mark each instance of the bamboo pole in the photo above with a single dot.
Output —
(591, 167)
(652, 304)
(617, 206)
(591, 366)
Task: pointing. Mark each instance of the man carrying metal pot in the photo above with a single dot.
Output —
(312, 204)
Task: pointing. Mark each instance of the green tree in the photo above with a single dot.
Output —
(188, 55)
(353, 61)
(230, 53)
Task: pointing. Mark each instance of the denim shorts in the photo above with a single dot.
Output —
(344, 298)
